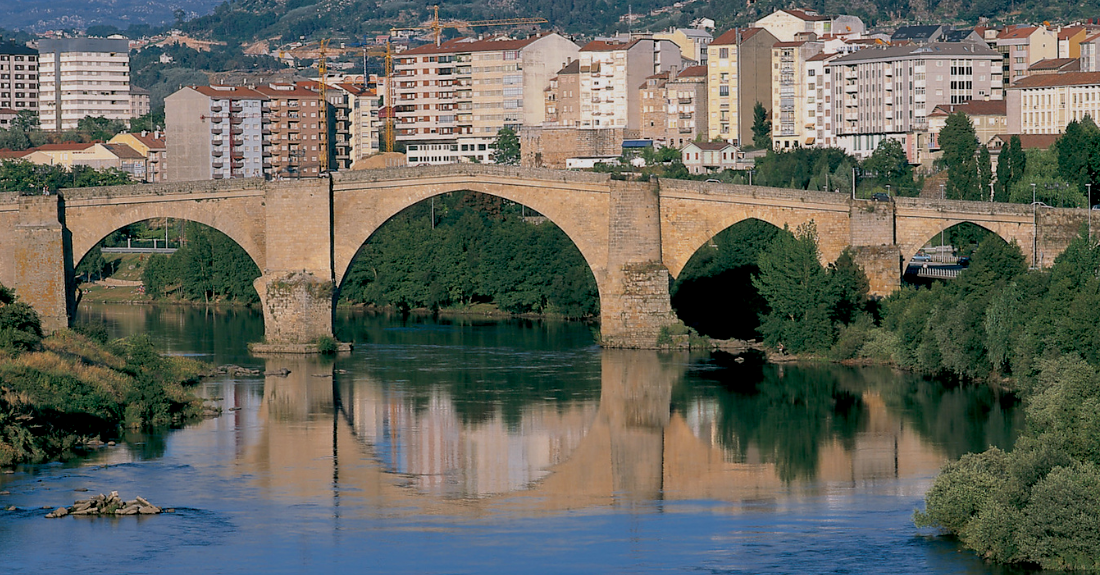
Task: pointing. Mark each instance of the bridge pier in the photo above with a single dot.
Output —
(39, 249)
(634, 296)
(297, 310)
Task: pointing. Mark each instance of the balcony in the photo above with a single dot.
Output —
(235, 108)
(215, 109)
(685, 100)
(217, 165)
(216, 131)
(216, 153)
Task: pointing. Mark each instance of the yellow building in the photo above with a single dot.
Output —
(739, 74)
(789, 109)
(153, 148)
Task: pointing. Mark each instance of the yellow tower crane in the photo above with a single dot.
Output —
(437, 27)
(322, 69)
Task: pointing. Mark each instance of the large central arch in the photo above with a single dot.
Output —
(363, 202)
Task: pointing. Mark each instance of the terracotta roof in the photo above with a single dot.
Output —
(1090, 38)
(124, 152)
(820, 56)
(806, 15)
(601, 46)
(974, 108)
(149, 141)
(1063, 79)
(729, 37)
(298, 90)
(12, 154)
(1057, 64)
(1066, 33)
(7, 112)
(356, 89)
(459, 45)
(693, 72)
(62, 147)
(573, 67)
(1031, 141)
(227, 92)
(661, 76)
(710, 145)
(1016, 33)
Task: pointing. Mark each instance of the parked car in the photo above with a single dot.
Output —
(714, 181)
(922, 258)
(880, 197)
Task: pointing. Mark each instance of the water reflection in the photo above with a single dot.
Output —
(663, 427)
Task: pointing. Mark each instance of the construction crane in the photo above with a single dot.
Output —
(388, 101)
(437, 27)
(322, 69)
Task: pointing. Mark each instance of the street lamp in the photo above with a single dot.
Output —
(1088, 206)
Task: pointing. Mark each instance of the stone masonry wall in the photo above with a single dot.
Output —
(297, 307)
(549, 147)
(39, 258)
(635, 304)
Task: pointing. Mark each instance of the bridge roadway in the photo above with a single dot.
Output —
(303, 234)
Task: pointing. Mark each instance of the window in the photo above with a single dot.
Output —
(723, 90)
(723, 52)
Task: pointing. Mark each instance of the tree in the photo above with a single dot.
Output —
(959, 144)
(25, 121)
(985, 172)
(795, 286)
(761, 127)
(1011, 166)
(99, 128)
(890, 164)
(507, 147)
(1078, 153)
(150, 122)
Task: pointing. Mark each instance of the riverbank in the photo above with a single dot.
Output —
(72, 392)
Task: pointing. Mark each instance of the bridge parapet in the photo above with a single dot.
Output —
(200, 187)
(517, 173)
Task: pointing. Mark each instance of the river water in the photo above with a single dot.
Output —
(510, 446)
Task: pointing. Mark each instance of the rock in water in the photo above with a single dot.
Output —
(59, 512)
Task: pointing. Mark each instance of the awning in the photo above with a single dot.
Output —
(809, 141)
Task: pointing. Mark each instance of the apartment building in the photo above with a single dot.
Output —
(451, 100)
(674, 106)
(1046, 104)
(879, 93)
(610, 75)
(785, 25)
(95, 155)
(1023, 46)
(216, 132)
(152, 147)
(818, 101)
(140, 102)
(790, 90)
(563, 97)
(989, 118)
(1069, 41)
(295, 119)
(18, 77)
(365, 126)
(1090, 53)
(739, 74)
(81, 77)
(693, 42)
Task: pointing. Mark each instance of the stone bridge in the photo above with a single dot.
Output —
(303, 234)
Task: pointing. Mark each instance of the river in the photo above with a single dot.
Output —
(464, 446)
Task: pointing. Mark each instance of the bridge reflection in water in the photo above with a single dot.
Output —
(388, 447)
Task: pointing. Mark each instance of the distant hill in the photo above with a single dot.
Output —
(42, 15)
(248, 20)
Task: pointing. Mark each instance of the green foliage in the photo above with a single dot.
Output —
(761, 127)
(1051, 187)
(1078, 153)
(20, 327)
(507, 147)
(804, 299)
(798, 168)
(98, 128)
(480, 250)
(891, 166)
(959, 143)
(23, 176)
(1011, 167)
(210, 267)
(327, 345)
(150, 122)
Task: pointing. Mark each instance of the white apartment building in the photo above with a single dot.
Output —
(18, 77)
(818, 101)
(791, 89)
(1047, 103)
(364, 124)
(786, 25)
(217, 132)
(451, 100)
(81, 77)
(611, 74)
(889, 92)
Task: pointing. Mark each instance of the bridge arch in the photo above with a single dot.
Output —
(581, 214)
(89, 222)
(1009, 232)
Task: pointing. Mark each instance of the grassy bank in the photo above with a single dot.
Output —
(61, 392)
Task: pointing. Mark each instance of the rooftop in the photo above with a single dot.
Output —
(974, 108)
(1063, 79)
(807, 15)
(462, 45)
(935, 49)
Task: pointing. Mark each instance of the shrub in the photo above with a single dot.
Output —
(326, 345)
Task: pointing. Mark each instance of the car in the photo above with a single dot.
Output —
(880, 197)
(922, 258)
(1096, 207)
(714, 181)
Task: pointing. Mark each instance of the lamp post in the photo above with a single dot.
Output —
(991, 192)
(1088, 206)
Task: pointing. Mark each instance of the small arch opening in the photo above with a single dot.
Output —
(945, 254)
